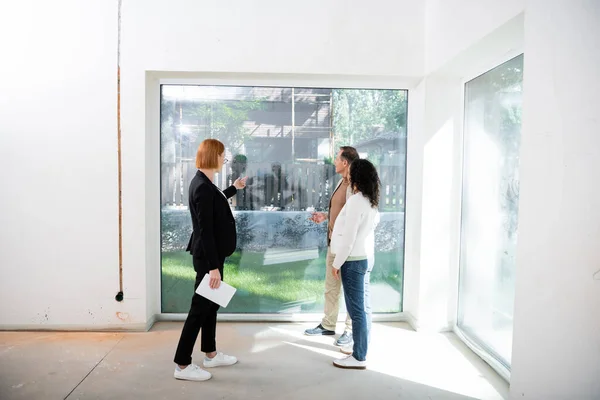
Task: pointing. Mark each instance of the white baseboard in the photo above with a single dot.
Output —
(412, 321)
(138, 327)
(151, 321)
(419, 327)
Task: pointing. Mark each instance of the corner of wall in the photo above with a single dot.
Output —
(152, 198)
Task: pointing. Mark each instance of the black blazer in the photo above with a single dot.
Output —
(213, 236)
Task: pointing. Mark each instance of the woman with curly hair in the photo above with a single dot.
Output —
(353, 242)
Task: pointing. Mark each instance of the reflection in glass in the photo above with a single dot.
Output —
(284, 140)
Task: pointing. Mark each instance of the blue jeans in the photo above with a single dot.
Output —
(368, 301)
(354, 279)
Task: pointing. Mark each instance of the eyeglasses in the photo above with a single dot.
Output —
(225, 160)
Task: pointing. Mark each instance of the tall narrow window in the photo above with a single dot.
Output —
(490, 207)
(284, 140)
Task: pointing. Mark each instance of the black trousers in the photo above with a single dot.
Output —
(203, 314)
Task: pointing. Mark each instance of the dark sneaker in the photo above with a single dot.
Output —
(345, 339)
(319, 330)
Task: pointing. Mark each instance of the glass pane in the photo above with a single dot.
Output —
(493, 106)
(284, 140)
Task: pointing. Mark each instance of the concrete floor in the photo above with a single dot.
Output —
(276, 361)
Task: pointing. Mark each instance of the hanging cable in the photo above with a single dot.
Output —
(119, 296)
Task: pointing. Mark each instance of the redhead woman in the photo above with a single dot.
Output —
(213, 239)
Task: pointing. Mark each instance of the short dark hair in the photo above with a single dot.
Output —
(240, 159)
(364, 178)
(349, 154)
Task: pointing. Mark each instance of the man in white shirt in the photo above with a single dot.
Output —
(346, 155)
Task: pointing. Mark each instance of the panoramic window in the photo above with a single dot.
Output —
(490, 209)
(284, 140)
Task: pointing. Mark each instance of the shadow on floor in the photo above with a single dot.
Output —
(276, 361)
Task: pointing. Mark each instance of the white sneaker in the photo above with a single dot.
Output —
(347, 350)
(192, 373)
(350, 363)
(220, 360)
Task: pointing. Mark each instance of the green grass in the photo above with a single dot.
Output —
(288, 287)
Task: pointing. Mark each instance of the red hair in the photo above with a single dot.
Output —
(207, 156)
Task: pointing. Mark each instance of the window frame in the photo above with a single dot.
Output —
(154, 81)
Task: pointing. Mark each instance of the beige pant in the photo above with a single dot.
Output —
(332, 297)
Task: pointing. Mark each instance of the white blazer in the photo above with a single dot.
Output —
(353, 236)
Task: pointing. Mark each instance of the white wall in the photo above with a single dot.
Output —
(434, 180)
(379, 37)
(433, 193)
(251, 42)
(414, 192)
(453, 26)
(58, 160)
(556, 345)
(58, 167)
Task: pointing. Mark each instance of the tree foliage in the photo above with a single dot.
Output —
(357, 112)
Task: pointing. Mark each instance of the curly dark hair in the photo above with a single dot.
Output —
(365, 179)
